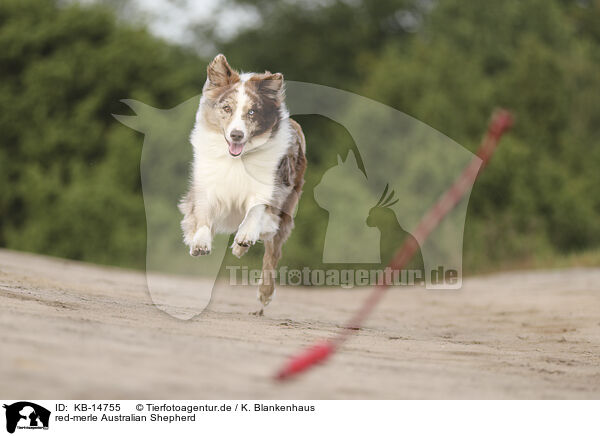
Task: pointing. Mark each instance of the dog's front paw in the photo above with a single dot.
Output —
(201, 243)
(197, 251)
(246, 236)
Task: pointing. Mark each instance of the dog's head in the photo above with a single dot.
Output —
(246, 108)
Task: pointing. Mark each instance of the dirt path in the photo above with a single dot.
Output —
(71, 330)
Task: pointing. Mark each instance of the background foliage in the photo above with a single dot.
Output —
(69, 173)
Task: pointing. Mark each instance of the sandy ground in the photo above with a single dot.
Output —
(70, 330)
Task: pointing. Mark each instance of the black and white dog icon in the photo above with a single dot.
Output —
(25, 414)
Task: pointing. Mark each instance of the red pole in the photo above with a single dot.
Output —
(501, 121)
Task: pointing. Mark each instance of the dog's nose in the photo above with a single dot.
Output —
(236, 135)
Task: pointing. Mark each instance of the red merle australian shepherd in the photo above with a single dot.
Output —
(248, 168)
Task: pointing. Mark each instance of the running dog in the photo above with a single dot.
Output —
(248, 167)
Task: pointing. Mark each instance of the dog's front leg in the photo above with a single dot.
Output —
(249, 230)
(202, 241)
(257, 224)
(197, 230)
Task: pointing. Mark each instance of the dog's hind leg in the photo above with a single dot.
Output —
(266, 289)
(271, 258)
(239, 250)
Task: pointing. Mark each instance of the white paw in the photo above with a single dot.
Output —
(202, 242)
(247, 235)
(238, 250)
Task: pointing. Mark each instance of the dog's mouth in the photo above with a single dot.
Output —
(236, 148)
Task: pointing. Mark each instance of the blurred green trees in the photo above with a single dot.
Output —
(69, 173)
(450, 63)
(70, 180)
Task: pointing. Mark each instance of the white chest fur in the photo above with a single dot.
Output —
(228, 187)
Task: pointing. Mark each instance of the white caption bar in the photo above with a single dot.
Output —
(287, 418)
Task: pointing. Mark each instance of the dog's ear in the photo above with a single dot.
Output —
(269, 85)
(272, 84)
(219, 73)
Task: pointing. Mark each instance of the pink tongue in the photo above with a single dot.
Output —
(235, 149)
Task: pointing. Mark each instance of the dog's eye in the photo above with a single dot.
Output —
(251, 112)
(227, 108)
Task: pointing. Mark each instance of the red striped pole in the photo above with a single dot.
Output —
(501, 121)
